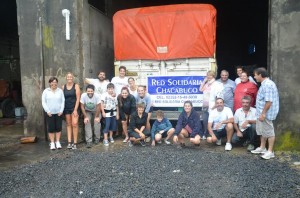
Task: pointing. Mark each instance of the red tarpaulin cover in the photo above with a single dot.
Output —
(165, 32)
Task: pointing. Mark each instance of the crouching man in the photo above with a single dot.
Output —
(220, 124)
(245, 124)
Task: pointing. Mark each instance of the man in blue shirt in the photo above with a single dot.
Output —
(267, 108)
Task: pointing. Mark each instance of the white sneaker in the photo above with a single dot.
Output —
(228, 146)
(268, 155)
(52, 146)
(203, 137)
(148, 139)
(219, 142)
(58, 145)
(167, 142)
(259, 150)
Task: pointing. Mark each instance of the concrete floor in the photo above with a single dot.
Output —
(13, 153)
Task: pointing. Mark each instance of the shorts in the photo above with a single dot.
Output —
(54, 123)
(70, 111)
(265, 128)
(137, 136)
(163, 135)
(110, 124)
(220, 133)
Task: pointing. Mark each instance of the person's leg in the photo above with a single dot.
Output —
(214, 139)
(58, 125)
(158, 137)
(195, 140)
(106, 129)
(170, 133)
(148, 126)
(183, 134)
(69, 127)
(97, 126)
(205, 122)
(51, 137)
(271, 141)
(229, 131)
(75, 128)
(125, 128)
(112, 127)
(88, 129)
(250, 134)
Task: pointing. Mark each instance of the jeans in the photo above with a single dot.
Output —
(249, 134)
(88, 128)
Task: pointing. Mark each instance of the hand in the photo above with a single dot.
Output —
(75, 113)
(161, 132)
(153, 143)
(218, 125)
(175, 139)
(239, 134)
(244, 125)
(262, 117)
(103, 115)
(205, 80)
(86, 120)
(97, 119)
(59, 114)
(49, 114)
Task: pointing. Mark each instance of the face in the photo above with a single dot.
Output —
(224, 76)
(244, 77)
(101, 76)
(209, 77)
(122, 72)
(141, 91)
(246, 104)
(131, 82)
(110, 90)
(124, 93)
(257, 77)
(140, 110)
(53, 84)
(69, 78)
(90, 92)
(187, 107)
(159, 118)
(220, 104)
(239, 71)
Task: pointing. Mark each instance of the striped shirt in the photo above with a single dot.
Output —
(267, 92)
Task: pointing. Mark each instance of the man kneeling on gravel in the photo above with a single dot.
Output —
(220, 124)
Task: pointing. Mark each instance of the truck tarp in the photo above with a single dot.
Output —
(165, 32)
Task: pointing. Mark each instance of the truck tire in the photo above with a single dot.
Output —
(8, 108)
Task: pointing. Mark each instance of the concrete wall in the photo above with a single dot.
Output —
(284, 67)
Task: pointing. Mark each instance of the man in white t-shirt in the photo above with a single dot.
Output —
(90, 107)
(120, 81)
(220, 124)
(100, 83)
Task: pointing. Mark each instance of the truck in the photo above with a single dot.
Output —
(169, 49)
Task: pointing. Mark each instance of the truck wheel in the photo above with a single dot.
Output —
(8, 108)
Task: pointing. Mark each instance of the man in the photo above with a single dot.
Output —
(228, 89)
(90, 107)
(100, 83)
(245, 124)
(267, 108)
(220, 124)
(239, 71)
(145, 98)
(120, 81)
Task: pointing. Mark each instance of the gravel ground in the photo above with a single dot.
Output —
(162, 171)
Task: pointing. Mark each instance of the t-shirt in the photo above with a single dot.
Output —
(109, 104)
(100, 87)
(240, 117)
(216, 116)
(90, 104)
(119, 83)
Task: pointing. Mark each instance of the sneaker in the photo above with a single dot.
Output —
(159, 142)
(105, 143)
(111, 140)
(58, 145)
(96, 141)
(268, 155)
(167, 142)
(250, 147)
(69, 146)
(142, 142)
(130, 144)
(125, 140)
(228, 146)
(52, 146)
(219, 142)
(89, 145)
(74, 146)
(148, 139)
(203, 137)
(259, 150)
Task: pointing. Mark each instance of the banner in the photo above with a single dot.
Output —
(173, 91)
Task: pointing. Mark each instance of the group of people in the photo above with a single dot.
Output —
(228, 111)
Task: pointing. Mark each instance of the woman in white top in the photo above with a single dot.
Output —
(53, 102)
(132, 87)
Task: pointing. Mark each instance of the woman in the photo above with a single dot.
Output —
(137, 126)
(206, 87)
(188, 125)
(72, 97)
(132, 87)
(53, 102)
(126, 105)
(245, 88)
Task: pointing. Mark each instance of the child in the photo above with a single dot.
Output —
(162, 128)
(110, 112)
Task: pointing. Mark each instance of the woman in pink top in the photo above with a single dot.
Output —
(244, 88)
(205, 87)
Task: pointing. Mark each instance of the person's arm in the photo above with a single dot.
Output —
(86, 119)
(153, 129)
(267, 106)
(133, 104)
(196, 128)
(238, 132)
(62, 105)
(148, 103)
(210, 130)
(179, 125)
(202, 85)
(44, 102)
(87, 81)
(169, 125)
(97, 114)
(77, 90)
(102, 108)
